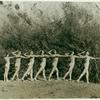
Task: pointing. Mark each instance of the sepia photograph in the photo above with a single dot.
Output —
(49, 49)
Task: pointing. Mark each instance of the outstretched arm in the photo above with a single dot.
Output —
(26, 56)
(80, 56)
(92, 57)
(77, 56)
(67, 55)
(41, 56)
(11, 57)
(23, 57)
(97, 58)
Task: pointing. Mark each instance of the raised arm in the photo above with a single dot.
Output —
(81, 56)
(13, 53)
(25, 54)
(81, 53)
(50, 52)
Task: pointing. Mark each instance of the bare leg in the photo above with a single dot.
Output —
(15, 74)
(25, 74)
(83, 73)
(66, 75)
(87, 76)
(4, 77)
(5, 74)
(51, 73)
(31, 74)
(70, 74)
(35, 78)
(44, 74)
(57, 73)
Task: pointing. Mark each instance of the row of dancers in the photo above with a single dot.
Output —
(51, 54)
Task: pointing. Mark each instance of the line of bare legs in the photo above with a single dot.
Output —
(55, 58)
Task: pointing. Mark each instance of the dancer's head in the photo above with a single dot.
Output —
(54, 51)
(67, 54)
(31, 52)
(42, 52)
(72, 53)
(7, 55)
(87, 53)
(19, 52)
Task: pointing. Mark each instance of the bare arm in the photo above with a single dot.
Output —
(66, 54)
(49, 52)
(25, 54)
(46, 56)
(97, 58)
(92, 57)
(81, 53)
(81, 56)
(23, 57)
(58, 55)
(11, 57)
(41, 56)
(76, 56)
(13, 53)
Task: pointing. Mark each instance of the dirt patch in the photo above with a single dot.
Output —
(48, 89)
